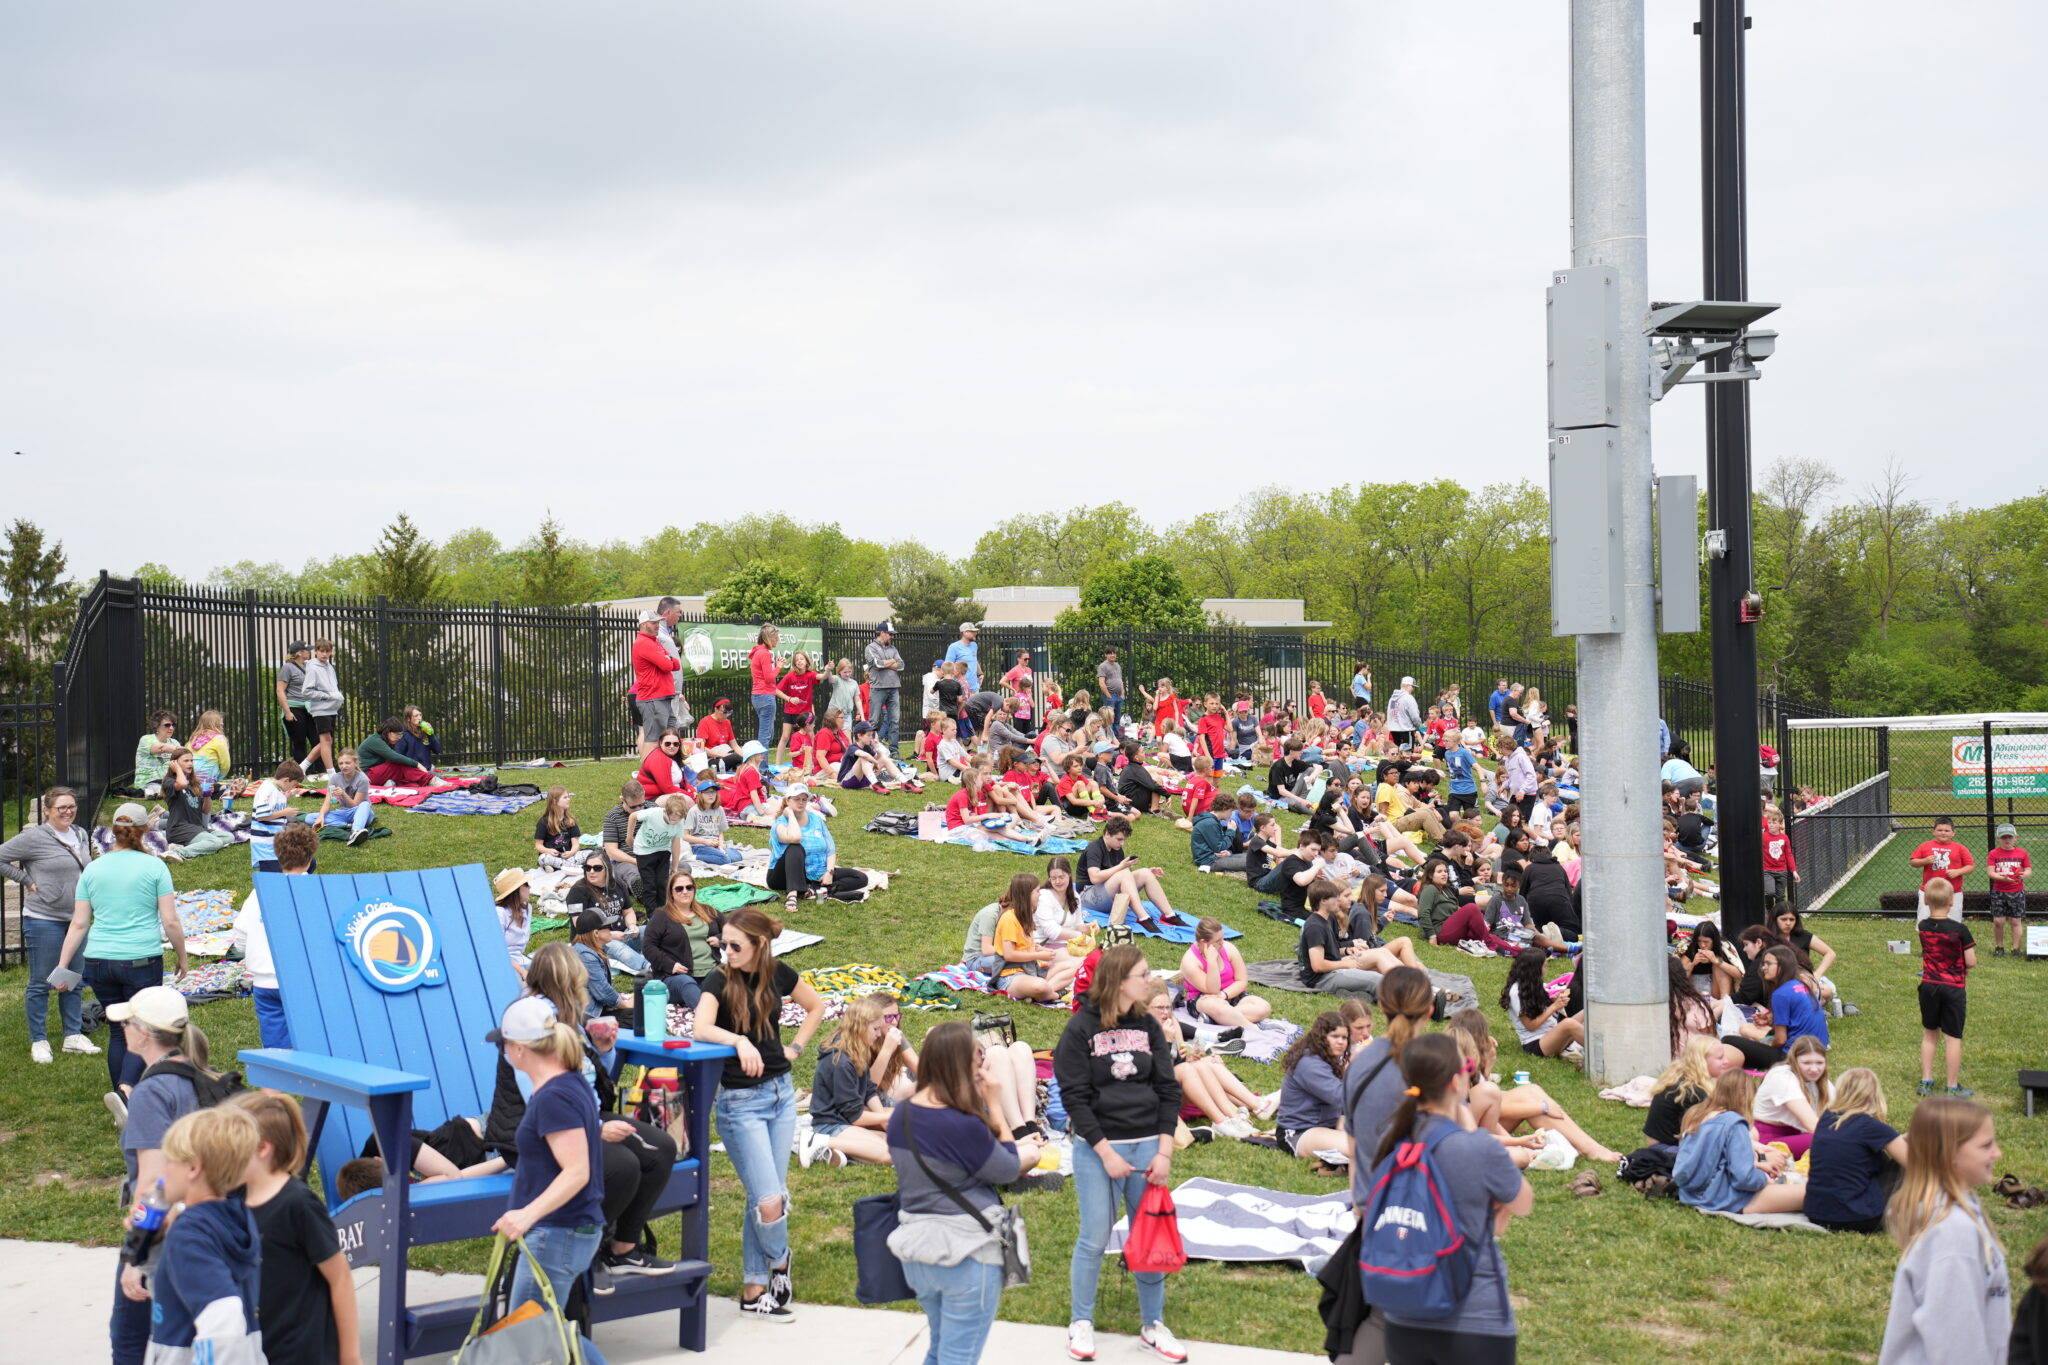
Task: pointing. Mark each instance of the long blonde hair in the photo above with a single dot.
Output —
(556, 975)
(1858, 1092)
(1732, 1094)
(1941, 1125)
(854, 1038)
(1689, 1067)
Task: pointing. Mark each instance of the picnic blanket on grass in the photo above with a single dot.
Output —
(472, 803)
(335, 834)
(723, 896)
(1265, 1042)
(1224, 1222)
(206, 912)
(1284, 974)
(234, 824)
(1171, 933)
(1777, 1221)
(210, 981)
(398, 794)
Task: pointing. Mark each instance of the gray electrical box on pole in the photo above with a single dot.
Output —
(1678, 554)
(1628, 1031)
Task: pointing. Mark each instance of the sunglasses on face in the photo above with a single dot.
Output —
(682, 886)
(893, 1017)
(670, 744)
(593, 867)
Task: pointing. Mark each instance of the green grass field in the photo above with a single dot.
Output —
(1610, 1279)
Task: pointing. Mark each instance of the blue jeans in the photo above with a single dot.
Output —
(270, 1024)
(764, 718)
(716, 857)
(356, 817)
(564, 1254)
(45, 939)
(1116, 711)
(883, 710)
(128, 1326)
(113, 982)
(684, 990)
(625, 957)
(1097, 1196)
(757, 1125)
(959, 1303)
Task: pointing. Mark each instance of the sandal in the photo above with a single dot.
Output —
(2007, 1186)
(789, 904)
(1585, 1185)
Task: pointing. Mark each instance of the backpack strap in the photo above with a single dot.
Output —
(910, 1132)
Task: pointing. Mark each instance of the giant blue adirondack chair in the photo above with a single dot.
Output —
(411, 1054)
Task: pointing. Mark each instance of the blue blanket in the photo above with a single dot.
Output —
(474, 803)
(1171, 933)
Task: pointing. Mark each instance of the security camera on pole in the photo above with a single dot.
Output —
(1612, 354)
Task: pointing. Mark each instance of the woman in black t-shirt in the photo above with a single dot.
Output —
(1686, 1082)
(756, 1107)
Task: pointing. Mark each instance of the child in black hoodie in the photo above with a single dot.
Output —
(1115, 1073)
(206, 1281)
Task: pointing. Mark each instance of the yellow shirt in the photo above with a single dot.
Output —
(1012, 936)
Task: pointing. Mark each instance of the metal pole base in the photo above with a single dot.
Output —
(1626, 1041)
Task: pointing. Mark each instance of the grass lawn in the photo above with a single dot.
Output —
(1610, 1279)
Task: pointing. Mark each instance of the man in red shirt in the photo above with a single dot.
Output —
(1943, 857)
(654, 683)
(715, 738)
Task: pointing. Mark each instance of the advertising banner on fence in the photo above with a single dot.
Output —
(2019, 765)
(723, 649)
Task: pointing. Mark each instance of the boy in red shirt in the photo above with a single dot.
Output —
(2009, 866)
(1947, 953)
(1214, 728)
(1200, 793)
(1943, 857)
(1778, 861)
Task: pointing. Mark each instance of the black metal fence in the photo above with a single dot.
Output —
(1832, 844)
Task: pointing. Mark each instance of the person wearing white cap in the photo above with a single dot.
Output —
(963, 652)
(1404, 716)
(123, 910)
(801, 852)
(170, 1054)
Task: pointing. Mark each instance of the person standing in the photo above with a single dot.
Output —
(765, 695)
(741, 1007)
(949, 1127)
(885, 682)
(1115, 1073)
(1404, 716)
(1109, 677)
(123, 910)
(963, 652)
(1361, 684)
(654, 683)
(1951, 1299)
(46, 861)
(292, 700)
(324, 701)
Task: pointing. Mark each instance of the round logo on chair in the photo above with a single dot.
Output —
(392, 945)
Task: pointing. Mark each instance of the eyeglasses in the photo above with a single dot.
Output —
(682, 886)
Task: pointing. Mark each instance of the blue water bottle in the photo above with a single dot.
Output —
(654, 1011)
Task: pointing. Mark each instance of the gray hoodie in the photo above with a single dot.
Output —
(37, 855)
(1951, 1300)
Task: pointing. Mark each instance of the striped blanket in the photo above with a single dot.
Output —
(1224, 1222)
(453, 802)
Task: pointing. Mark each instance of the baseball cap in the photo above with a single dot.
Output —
(528, 1019)
(753, 748)
(1407, 682)
(2008, 832)
(591, 920)
(131, 814)
(506, 882)
(157, 1007)
(886, 628)
(298, 647)
(970, 625)
(863, 728)
(797, 789)
(1105, 746)
(1244, 706)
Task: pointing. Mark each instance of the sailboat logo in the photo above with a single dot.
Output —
(392, 945)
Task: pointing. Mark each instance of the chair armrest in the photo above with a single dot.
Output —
(333, 1079)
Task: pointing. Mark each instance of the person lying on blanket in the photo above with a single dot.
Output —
(387, 767)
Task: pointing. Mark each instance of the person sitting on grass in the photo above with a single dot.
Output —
(188, 804)
(153, 753)
(1112, 881)
(745, 794)
(1337, 955)
(1209, 1089)
(1541, 1024)
(1138, 784)
(1309, 1119)
(1030, 795)
(1214, 983)
(556, 834)
(1524, 1104)
(595, 932)
(865, 1069)
(347, 802)
(1855, 1158)
(868, 763)
(1029, 970)
(1484, 1101)
(1795, 998)
(386, 766)
(1686, 1082)
(1080, 795)
(209, 746)
(1709, 962)
(801, 851)
(1450, 922)
(1721, 1167)
(1793, 1093)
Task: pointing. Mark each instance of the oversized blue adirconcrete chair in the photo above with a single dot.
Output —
(389, 983)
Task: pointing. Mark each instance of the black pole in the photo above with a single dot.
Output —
(1725, 240)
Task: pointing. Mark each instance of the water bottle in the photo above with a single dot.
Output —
(654, 1011)
(145, 1221)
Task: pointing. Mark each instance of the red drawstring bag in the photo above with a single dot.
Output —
(1154, 1245)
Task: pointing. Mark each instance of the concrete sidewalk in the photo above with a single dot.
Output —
(58, 1296)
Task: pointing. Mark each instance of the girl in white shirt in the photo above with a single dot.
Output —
(1056, 911)
(1789, 1102)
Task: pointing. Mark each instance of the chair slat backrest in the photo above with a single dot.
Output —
(433, 1031)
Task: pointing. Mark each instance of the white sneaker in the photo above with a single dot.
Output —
(1268, 1105)
(1162, 1343)
(79, 1043)
(39, 1051)
(1081, 1340)
(1474, 947)
(1235, 1128)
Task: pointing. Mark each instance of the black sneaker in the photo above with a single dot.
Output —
(639, 1261)
(766, 1308)
(779, 1282)
(358, 838)
(601, 1275)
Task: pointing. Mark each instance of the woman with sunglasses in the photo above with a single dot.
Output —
(741, 1007)
(801, 852)
(680, 942)
(595, 890)
(661, 772)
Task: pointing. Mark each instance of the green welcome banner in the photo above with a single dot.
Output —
(724, 649)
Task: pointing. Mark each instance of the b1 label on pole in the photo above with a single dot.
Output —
(1582, 309)
(1678, 554)
(1585, 532)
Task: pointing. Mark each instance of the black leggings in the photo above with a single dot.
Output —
(1433, 1346)
(652, 870)
(1755, 1056)
(635, 1173)
(786, 873)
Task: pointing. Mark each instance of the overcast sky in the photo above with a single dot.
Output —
(272, 273)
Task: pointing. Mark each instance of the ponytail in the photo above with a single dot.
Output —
(1408, 1000)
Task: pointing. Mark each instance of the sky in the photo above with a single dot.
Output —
(271, 274)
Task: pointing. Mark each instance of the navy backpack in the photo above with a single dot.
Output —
(1413, 1261)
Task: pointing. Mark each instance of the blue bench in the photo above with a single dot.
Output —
(389, 983)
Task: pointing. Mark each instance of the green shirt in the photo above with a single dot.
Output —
(123, 887)
(654, 834)
(373, 750)
(149, 765)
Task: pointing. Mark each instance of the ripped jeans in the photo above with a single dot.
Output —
(757, 1124)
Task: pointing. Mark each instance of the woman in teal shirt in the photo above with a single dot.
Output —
(124, 909)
